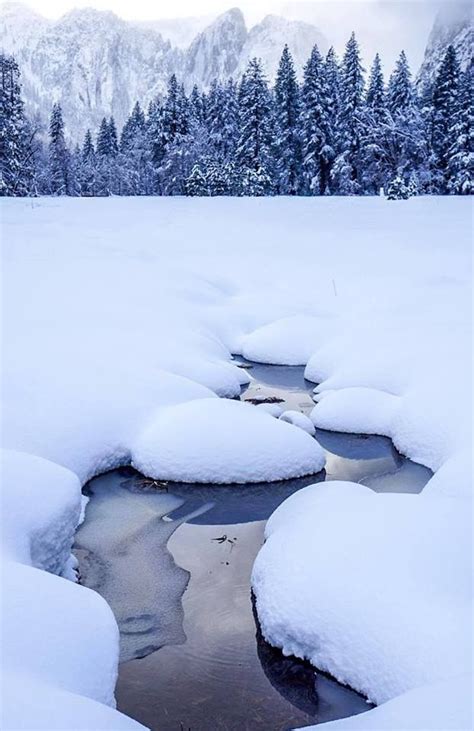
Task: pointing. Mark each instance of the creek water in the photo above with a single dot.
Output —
(174, 563)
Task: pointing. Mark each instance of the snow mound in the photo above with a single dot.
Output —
(43, 534)
(272, 409)
(289, 341)
(356, 410)
(376, 590)
(224, 441)
(298, 419)
(438, 707)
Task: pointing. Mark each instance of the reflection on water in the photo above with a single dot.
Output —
(175, 567)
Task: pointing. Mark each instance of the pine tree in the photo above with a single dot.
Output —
(375, 97)
(113, 138)
(347, 170)
(400, 93)
(254, 147)
(287, 116)
(443, 106)
(461, 135)
(59, 164)
(16, 135)
(374, 162)
(103, 145)
(317, 132)
(87, 184)
(196, 182)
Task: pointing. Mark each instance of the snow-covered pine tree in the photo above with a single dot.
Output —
(461, 134)
(59, 162)
(196, 182)
(287, 117)
(317, 130)
(375, 97)
(134, 160)
(87, 183)
(16, 135)
(444, 104)
(400, 92)
(397, 189)
(347, 170)
(374, 162)
(254, 147)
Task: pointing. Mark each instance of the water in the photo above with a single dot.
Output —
(175, 564)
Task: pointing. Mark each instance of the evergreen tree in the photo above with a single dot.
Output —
(87, 184)
(196, 182)
(317, 131)
(103, 146)
(16, 135)
(59, 164)
(113, 138)
(444, 105)
(374, 162)
(287, 113)
(461, 135)
(347, 170)
(375, 97)
(254, 147)
(400, 93)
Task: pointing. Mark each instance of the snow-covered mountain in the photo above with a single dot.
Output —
(267, 39)
(97, 64)
(453, 25)
(216, 52)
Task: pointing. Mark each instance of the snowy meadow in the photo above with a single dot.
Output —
(124, 320)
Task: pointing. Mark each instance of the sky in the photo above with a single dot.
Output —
(384, 25)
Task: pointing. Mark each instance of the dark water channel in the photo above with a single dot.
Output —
(174, 563)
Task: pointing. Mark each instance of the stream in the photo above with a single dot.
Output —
(174, 563)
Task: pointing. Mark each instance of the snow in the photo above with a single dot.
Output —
(298, 419)
(120, 316)
(289, 341)
(404, 583)
(224, 441)
(438, 707)
(355, 410)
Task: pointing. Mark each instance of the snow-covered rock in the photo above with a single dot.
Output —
(298, 419)
(356, 410)
(370, 588)
(437, 707)
(223, 441)
(274, 410)
(289, 341)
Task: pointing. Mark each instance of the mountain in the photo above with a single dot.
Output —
(267, 39)
(180, 32)
(453, 25)
(96, 64)
(215, 53)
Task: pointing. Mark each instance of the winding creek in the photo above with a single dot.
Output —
(174, 563)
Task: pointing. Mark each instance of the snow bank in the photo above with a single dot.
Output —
(40, 510)
(298, 419)
(356, 410)
(370, 588)
(289, 341)
(223, 441)
(438, 707)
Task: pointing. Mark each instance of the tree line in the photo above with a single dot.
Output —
(335, 133)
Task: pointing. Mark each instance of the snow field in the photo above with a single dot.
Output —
(120, 316)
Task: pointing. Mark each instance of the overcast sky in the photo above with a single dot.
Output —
(384, 25)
